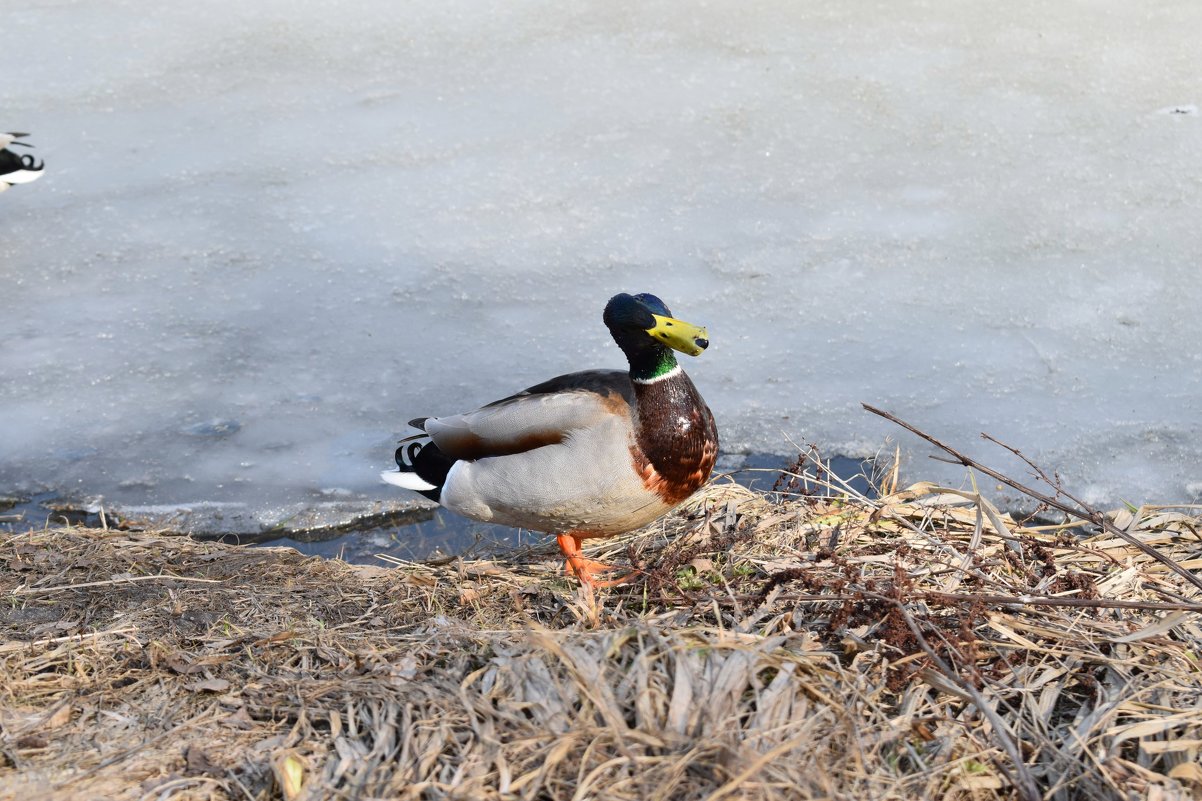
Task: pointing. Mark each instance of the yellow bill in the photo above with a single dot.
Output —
(679, 335)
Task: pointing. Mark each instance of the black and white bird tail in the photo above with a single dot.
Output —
(421, 465)
(14, 167)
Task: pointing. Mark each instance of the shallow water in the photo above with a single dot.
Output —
(437, 533)
(448, 534)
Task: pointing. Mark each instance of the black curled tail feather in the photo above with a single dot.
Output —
(11, 163)
(406, 454)
(429, 463)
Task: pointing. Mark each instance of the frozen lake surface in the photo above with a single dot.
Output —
(270, 233)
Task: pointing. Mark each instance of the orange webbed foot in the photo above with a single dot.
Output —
(583, 568)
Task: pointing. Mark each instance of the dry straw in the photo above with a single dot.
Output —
(777, 646)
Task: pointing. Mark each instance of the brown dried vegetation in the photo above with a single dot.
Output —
(916, 646)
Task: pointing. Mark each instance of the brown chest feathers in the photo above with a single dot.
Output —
(677, 440)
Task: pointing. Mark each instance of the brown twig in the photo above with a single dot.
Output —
(1040, 473)
(1082, 511)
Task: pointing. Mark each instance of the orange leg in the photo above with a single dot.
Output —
(583, 568)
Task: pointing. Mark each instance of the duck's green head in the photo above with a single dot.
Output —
(645, 329)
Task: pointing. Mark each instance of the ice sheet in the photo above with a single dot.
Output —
(270, 232)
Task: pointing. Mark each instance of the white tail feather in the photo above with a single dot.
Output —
(407, 480)
(21, 176)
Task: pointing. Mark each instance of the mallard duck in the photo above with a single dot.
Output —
(589, 454)
(14, 168)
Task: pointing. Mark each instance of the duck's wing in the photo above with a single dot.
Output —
(544, 414)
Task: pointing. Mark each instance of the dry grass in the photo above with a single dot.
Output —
(919, 646)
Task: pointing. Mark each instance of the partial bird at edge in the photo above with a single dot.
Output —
(17, 168)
